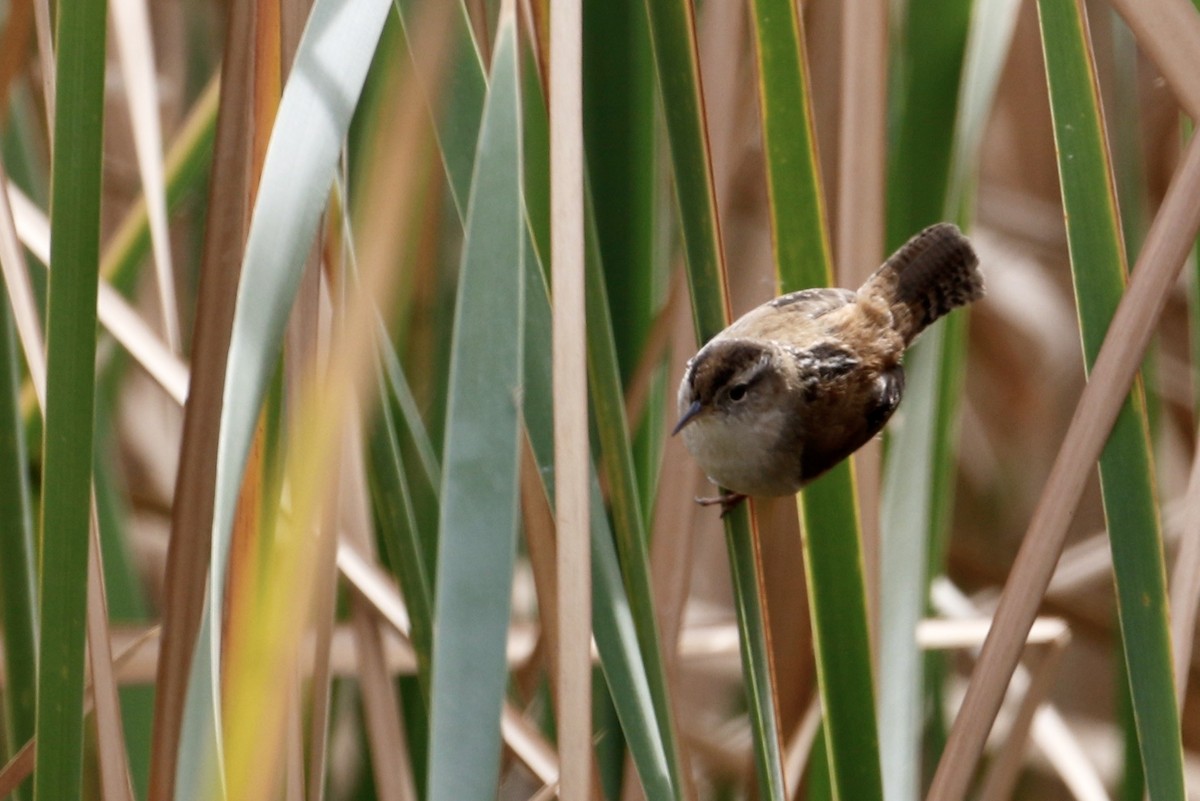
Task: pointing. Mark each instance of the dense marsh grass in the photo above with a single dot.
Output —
(354, 528)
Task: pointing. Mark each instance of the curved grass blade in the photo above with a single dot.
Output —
(616, 455)
(314, 115)
(400, 533)
(672, 29)
(457, 121)
(673, 35)
(400, 390)
(1126, 465)
(324, 424)
(478, 517)
(70, 391)
(621, 656)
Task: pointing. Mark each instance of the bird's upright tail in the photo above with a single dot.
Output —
(935, 271)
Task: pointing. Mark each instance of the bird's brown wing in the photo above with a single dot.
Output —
(790, 317)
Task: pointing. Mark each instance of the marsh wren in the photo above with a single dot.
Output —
(798, 384)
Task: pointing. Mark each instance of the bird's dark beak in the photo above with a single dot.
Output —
(687, 417)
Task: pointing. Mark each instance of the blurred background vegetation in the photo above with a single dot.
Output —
(324, 499)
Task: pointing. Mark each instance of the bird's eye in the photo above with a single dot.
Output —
(737, 392)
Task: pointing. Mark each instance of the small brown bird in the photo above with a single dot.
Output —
(804, 380)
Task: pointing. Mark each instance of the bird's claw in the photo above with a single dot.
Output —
(727, 501)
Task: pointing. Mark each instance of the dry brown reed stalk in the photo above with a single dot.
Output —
(572, 463)
(380, 703)
(1167, 244)
(115, 781)
(14, 41)
(29, 224)
(130, 26)
(964, 625)
(377, 588)
(46, 62)
(538, 520)
(195, 484)
(1043, 661)
(528, 745)
(393, 774)
(541, 540)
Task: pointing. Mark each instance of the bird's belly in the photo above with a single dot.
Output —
(745, 459)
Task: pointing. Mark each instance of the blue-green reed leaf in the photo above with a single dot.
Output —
(70, 397)
(989, 40)
(903, 589)
(478, 517)
(617, 636)
(1099, 269)
(314, 115)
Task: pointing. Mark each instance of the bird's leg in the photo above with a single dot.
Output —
(728, 501)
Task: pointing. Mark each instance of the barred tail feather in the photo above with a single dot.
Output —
(934, 272)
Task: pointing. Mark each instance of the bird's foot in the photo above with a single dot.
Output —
(728, 501)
